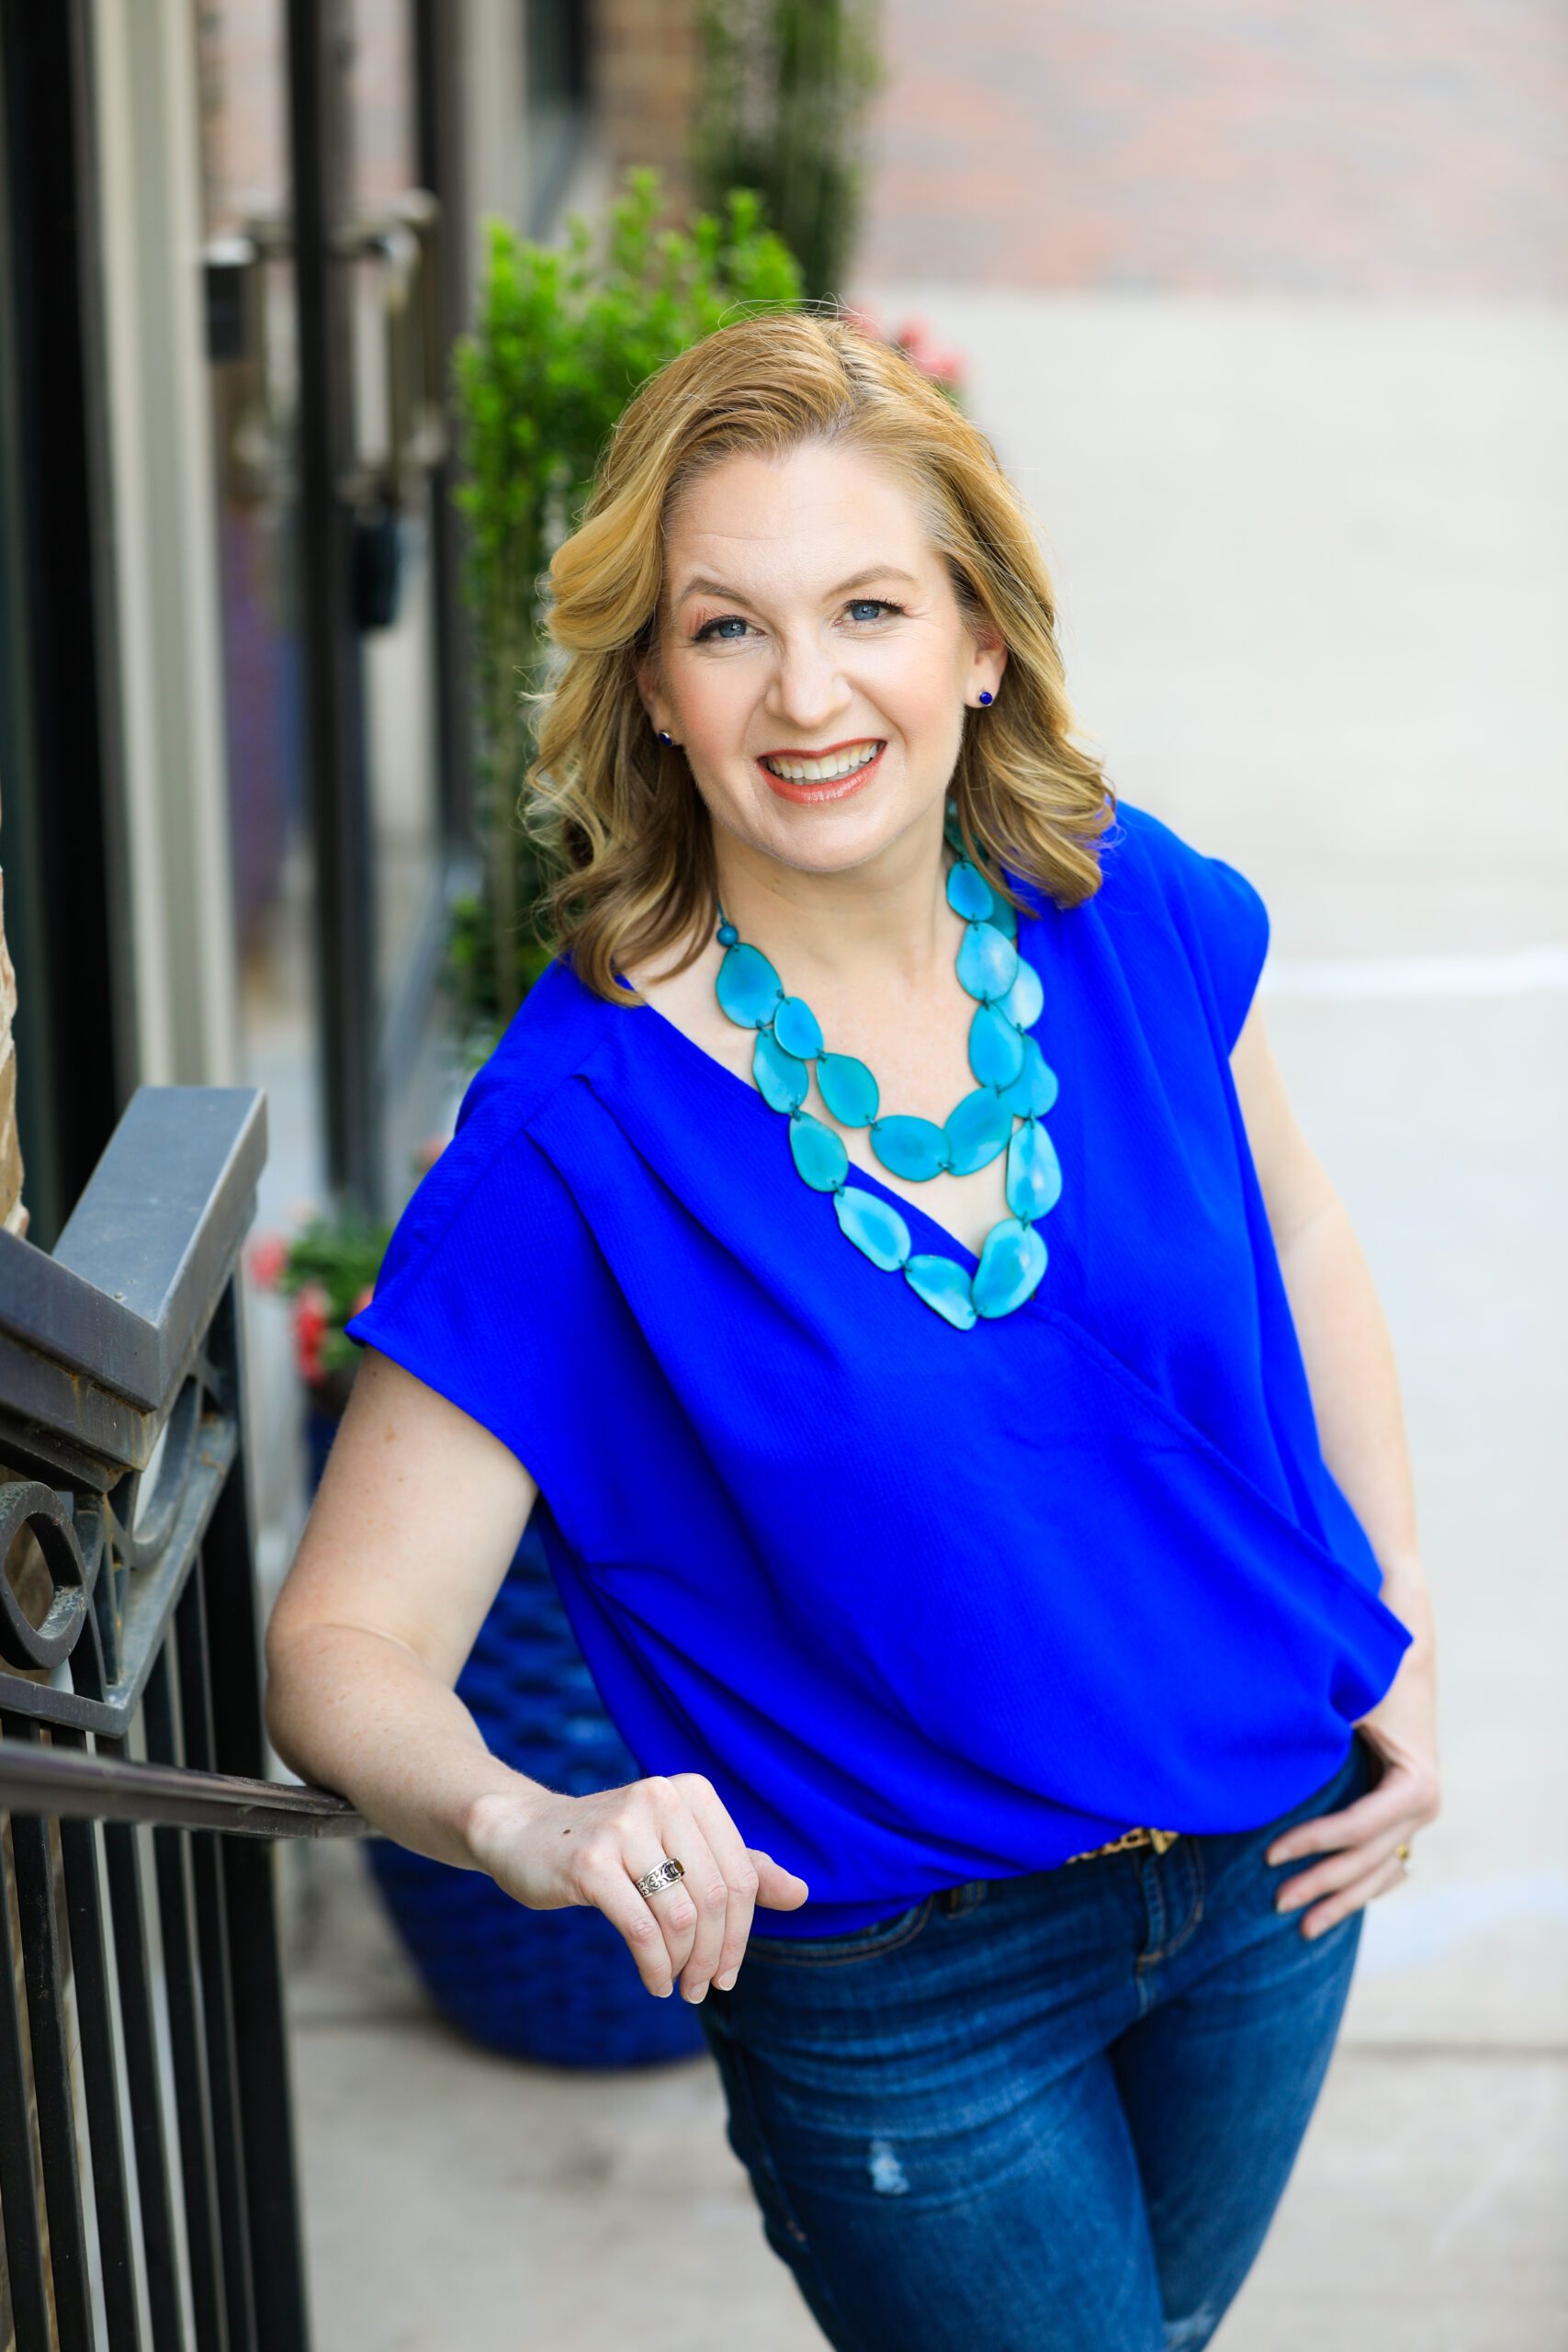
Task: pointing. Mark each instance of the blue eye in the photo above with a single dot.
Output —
(729, 628)
(867, 608)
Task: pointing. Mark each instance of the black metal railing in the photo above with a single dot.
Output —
(147, 2176)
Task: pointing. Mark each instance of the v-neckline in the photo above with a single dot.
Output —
(949, 1242)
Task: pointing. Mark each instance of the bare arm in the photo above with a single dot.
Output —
(417, 1520)
(1355, 1393)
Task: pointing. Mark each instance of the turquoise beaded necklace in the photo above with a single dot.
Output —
(1014, 1089)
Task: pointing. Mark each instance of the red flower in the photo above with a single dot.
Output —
(313, 1322)
(914, 340)
(266, 1259)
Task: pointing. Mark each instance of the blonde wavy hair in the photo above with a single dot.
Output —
(618, 808)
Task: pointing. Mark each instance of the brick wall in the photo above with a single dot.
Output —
(1371, 147)
(645, 70)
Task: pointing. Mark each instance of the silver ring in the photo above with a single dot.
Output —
(654, 1881)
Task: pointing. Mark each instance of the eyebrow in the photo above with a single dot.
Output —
(702, 587)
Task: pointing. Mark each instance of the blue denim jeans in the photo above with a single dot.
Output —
(1045, 2114)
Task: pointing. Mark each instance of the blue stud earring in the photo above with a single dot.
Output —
(668, 740)
(985, 699)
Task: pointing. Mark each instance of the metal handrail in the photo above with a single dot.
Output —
(132, 1279)
(131, 1691)
(76, 1787)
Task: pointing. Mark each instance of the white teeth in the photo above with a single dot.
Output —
(827, 770)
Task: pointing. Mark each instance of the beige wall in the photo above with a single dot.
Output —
(495, 160)
(165, 543)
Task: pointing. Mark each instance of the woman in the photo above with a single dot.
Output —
(971, 1445)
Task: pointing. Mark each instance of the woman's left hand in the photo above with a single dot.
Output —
(1362, 1844)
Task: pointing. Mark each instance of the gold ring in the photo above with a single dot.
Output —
(1401, 1855)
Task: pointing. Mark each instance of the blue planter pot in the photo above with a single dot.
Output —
(553, 1985)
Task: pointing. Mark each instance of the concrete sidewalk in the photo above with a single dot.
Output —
(1311, 562)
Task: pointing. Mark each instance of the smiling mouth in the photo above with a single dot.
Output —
(821, 776)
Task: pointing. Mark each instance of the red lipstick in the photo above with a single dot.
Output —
(816, 793)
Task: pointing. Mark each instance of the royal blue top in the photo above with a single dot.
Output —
(925, 1605)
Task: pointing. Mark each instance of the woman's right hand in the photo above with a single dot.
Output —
(548, 1851)
(367, 1643)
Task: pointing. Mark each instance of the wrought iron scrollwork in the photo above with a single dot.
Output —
(117, 1559)
(140, 1534)
(27, 1506)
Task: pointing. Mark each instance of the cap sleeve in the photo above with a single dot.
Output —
(1222, 921)
(471, 1292)
(1233, 925)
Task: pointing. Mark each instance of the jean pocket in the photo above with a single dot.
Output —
(843, 1951)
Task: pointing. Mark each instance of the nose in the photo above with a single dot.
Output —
(808, 691)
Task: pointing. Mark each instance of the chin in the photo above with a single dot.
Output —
(831, 840)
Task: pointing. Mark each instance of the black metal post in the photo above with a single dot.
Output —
(100, 2074)
(438, 67)
(68, 905)
(52, 2070)
(217, 1978)
(133, 1969)
(182, 1979)
(19, 2197)
(234, 1665)
(320, 40)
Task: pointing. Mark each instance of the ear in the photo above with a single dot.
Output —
(988, 662)
(651, 691)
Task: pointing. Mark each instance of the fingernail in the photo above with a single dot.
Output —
(726, 1983)
(700, 1994)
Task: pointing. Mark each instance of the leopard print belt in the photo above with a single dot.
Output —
(1130, 1839)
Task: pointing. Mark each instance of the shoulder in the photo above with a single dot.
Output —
(470, 1298)
(1152, 876)
(493, 1175)
(551, 1037)
(1143, 860)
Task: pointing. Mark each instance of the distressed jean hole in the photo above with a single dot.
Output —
(887, 2174)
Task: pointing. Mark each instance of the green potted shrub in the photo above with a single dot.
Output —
(784, 90)
(563, 337)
